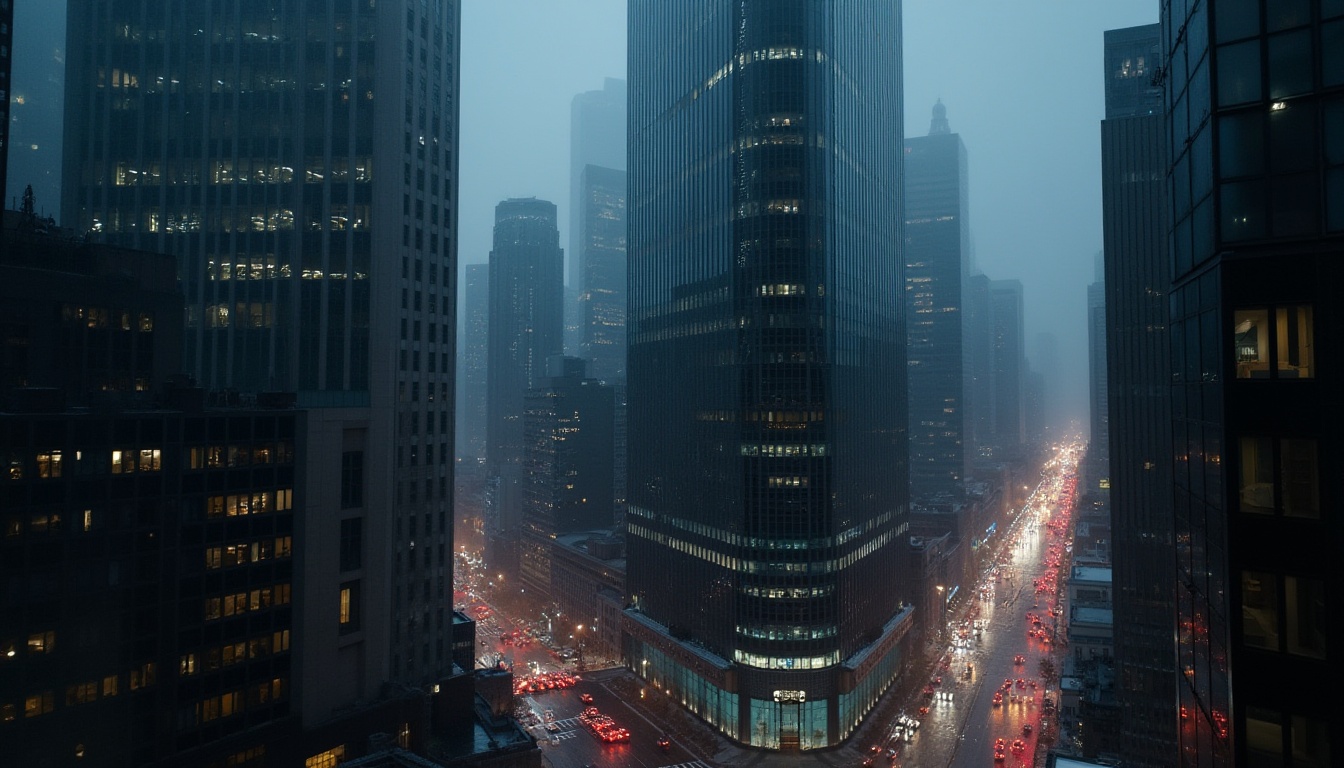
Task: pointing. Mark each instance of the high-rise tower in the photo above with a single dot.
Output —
(937, 266)
(1254, 104)
(300, 161)
(526, 295)
(1007, 326)
(767, 445)
(1138, 393)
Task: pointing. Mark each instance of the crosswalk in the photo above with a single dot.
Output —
(692, 764)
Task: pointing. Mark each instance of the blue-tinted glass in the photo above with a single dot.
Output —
(1241, 145)
(1292, 137)
(1334, 199)
(1236, 19)
(1332, 53)
(1243, 210)
(1333, 125)
(1289, 64)
(1238, 73)
(1294, 204)
(1286, 14)
(1332, 8)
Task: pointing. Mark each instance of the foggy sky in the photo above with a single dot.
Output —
(1022, 82)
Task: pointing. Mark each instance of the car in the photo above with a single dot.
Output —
(552, 727)
(586, 698)
(1019, 659)
(1026, 729)
(1019, 747)
(664, 743)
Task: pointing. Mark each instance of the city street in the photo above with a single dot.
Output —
(964, 720)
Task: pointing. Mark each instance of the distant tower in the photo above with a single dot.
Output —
(526, 296)
(937, 265)
(938, 125)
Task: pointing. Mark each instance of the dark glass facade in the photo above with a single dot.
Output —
(1254, 95)
(1138, 397)
(603, 301)
(767, 425)
(525, 315)
(475, 337)
(6, 66)
(1007, 318)
(937, 265)
(568, 425)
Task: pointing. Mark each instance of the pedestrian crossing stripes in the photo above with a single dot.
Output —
(692, 764)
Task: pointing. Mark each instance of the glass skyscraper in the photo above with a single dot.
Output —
(767, 424)
(1254, 106)
(937, 264)
(1137, 397)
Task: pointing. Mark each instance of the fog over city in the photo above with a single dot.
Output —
(1008, 73)
(1022, 83)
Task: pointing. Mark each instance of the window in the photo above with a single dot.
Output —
(142, 676)
(1288, 342)
(123, 462)
(349, 607)
(49, 464)
(352, 544)
(39, 704)
(1260, 610)
(42, 642)
(110, 685)
(1282, 476)
(1264, 736)
(187, 665)
(329, 759)
(1304, 608)
(352, 479)
(149, 460)
(81, 693)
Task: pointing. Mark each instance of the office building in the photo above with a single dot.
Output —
(1008, 339)
(300, 164)
(1138, 393)
(567, 457)
(1096, 465)
(766, 389)
(602, 260)
(937, 266)
(596, 138)
(979, 341)
(1254, 104)
(597, 128)
(525, 315)
(474, 344)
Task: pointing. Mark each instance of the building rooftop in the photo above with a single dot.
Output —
(1091, 574)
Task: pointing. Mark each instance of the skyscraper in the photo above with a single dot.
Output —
(1254, 102)
(979, 341)
(596, 137)
(1138, 393)
(300, 162)
(475, 342)
(937, 265)
(1007, 319)
(767, 448)
(1096, 468)
(567, 425)
(526, 300)
(602, 235)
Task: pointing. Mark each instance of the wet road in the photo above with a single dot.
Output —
(963, 721)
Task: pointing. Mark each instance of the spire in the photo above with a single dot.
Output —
(939, 123)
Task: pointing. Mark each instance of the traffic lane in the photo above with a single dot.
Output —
(574, 745)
